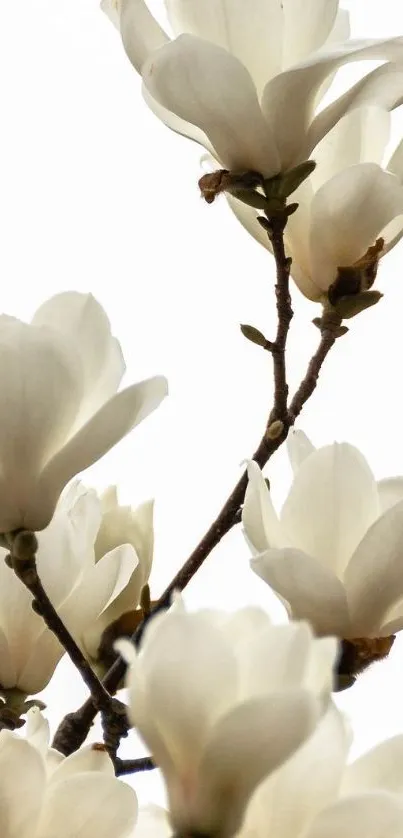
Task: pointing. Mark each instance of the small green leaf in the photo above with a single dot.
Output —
(254, 335)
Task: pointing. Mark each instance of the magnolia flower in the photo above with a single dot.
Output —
(44, 795)
(222, 700)
(315, 794)
(334, 555)
(59, 408)
(122, 525)
(330, 230)
(237, 77)
(81, 588)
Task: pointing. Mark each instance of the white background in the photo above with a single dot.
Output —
(97, 195)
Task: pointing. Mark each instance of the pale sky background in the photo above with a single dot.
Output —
(97, 195)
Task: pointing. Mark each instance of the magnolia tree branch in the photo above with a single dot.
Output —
(23, 546)
(74, 728)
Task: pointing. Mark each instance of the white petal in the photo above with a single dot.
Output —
(311, 780)
(246, 745)
(109, 425)
(18, 621)
(253, 32)
(360, 136)
(299, 447)
(185, 711)
(41, 387)
(379, 768)
(141, 34)
(374, 577)
(81, 318)
(308, 24)
(382, 87)
(390, 491)
(89, 758)
(377, 815)
(313, 592)
(22, 781)
(296, 238)
(332, 502)
(153, 822)
(395, 164)
(88, 805)
(290, 98)
(37, 730)
(348, 214)
(180, 126)
(41, 661)
(205, 85)
(259, 517)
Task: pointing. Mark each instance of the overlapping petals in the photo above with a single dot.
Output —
(221, 701)
(334, 554)
(59, 410)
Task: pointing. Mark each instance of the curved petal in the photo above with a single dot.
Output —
(109, 425)
(82, 319)
(37, 730)
(374, 577)
(308, 25)
(312, 781)
(22, 782)
(86, 805)
(383, 88)
(253, 32)
(332, 502)
(299, 448)
(259, 518)
(93, 758)
(8, 674)
(390, 491)
(19, 624)
(205, 85)
(348, 214)
(296, 238)
(313, 592)
(395, 164)
(246, 745)
(379, 768)
(289, 99)
(141, 34)
(360, 136)
(175, 123)
(41, 386)
(373, 815)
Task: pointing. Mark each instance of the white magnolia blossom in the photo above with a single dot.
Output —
(244, 78)
(122, 525)
(82, 587)
(334, 554)
(315, 794)
(44, 795)
(59, 409)
(222, 700)
(330, 228)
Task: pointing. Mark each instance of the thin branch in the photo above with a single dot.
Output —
(22, 559)
(133, 766)
(73, 729)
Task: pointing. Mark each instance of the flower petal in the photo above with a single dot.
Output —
(332, 502)
(373, 815)
(246, 745)
(205, 85)
(379, 768)
(308, 25)
(259, 518)
(109, 425)
(86, 805)
(141, 34)
(299, 447)
(348, 214)
(41, 386)
(300, 86)
(92, 758)
(180, 126)
(383, 88)
(390, 491)
(251, 32)
(22, 782)
(37, 730)
(374, 577)
(313, 592)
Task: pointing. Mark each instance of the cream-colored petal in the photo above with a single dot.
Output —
(259, 518)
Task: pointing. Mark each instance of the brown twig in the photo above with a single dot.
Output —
(74, 728)
(133, 766)
(22, 559)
